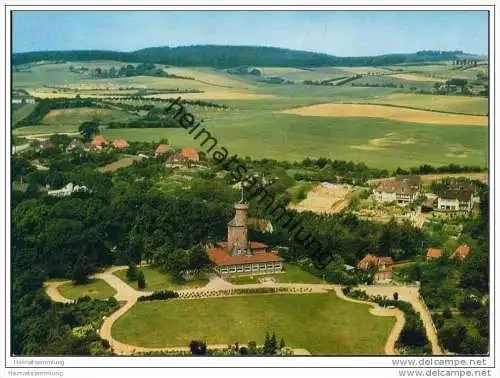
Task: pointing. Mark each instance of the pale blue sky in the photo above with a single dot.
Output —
(349, 33)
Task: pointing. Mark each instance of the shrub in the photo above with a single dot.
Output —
(132, 272)
(198, 348)
(159, 295)
(141, 281)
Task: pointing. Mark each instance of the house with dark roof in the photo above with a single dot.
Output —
(383, 265)
(239, 257)
(455, 200)
(456, 195)
(402, 189)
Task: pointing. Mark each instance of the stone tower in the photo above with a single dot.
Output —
(237, 242)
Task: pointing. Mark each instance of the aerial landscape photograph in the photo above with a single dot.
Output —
(249, 183)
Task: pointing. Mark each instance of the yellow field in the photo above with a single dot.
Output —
(411, 77)
(380, 111)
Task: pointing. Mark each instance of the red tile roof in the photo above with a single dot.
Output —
(220, 257)
(120, 143)
(162, 148)
(434, 253)
(189, 154)
(100, 140)
(461, 252)
(252, 244)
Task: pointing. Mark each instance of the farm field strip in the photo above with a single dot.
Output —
(446, 104)
(392, 113)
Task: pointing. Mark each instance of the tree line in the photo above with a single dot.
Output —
(232, 56)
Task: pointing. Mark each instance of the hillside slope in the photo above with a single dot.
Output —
(231, 56)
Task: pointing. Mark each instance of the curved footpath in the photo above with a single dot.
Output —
(126, 293)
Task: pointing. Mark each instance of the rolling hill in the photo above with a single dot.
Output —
(233, 56)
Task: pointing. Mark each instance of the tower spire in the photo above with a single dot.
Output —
(242, 200)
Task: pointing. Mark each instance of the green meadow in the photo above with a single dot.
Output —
(253, 125)
(320, 323)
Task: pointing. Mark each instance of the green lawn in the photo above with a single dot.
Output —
(97, 289)
(291, 274)
(159, 280)
(321, 323)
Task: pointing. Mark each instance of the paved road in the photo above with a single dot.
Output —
(129, 295)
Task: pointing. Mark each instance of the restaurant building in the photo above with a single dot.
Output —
(237, 256)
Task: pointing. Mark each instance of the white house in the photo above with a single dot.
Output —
(67, 190)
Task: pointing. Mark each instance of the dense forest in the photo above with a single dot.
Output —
(232, 56)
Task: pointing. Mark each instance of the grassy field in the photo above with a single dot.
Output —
(122, 163)
(97, 289)
(290, 137)
(321, 323)
(45, 129)
(77, 116)
(291, 274)
(158, 280)
(254, 126)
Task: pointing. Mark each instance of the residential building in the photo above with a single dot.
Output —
(239, 257)
(455, 200)
(434, 253)
(74, 144)
(163, 148)
(68, 190)
(402, 189)
(47, 143)
(383, 265)
(120, 144)
(186, 156)
(100, 141)
(461, 252)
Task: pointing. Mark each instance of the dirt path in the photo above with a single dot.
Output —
(411, 295)
(54, 294)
